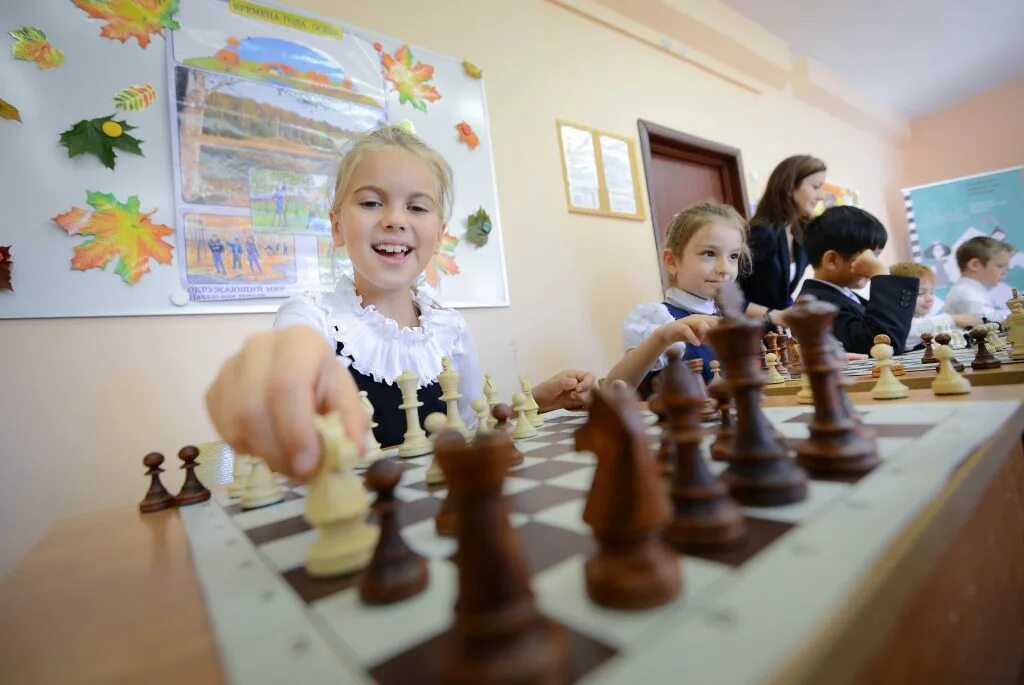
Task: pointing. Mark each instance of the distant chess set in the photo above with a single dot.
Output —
(603, 544)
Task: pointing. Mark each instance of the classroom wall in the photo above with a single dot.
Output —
(81, 401)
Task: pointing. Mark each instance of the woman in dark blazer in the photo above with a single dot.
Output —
(788, 202)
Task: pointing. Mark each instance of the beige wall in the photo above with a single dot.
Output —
(83, 400)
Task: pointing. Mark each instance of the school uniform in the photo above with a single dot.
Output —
(927, 324)
(889, 311)
(644, 319)
(774, 274)
(376, 351)
(970, 296)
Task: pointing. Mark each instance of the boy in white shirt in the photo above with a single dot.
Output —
(983, 263)
(924, 321)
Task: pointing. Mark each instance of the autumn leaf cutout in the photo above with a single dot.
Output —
(118, 231)
(467, 135)
(136, 19)
(100, 137)
(9, 111)
(134, 98)
(30, 44)
(5, 267)
(408, 78)
(444, 261)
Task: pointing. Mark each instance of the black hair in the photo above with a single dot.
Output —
(846, 229)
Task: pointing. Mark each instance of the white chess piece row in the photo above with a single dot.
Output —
(253, 483)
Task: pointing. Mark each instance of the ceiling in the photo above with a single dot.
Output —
(914, 56)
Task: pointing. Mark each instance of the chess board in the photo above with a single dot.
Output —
(912, 361)
(743, 614)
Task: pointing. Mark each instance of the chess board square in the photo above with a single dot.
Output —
(261, 535)
(549, 451)
(312, 589)
(547, 469)
(760, 534)
(580, 479)
(378, 633)
(583, 457)
(820, 495)
(413, 512)
(409, 494)
(236, 508)
(546, 545)
(423, 538)
(538, 498)
(255, 518)
(421, 663)
(568, 515)
(288, 552)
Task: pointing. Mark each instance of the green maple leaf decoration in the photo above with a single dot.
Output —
(478, 228)
(88, 136)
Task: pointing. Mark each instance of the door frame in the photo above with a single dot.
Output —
(669, 142)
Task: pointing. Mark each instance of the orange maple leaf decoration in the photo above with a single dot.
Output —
(132, 18)
(118, 230)
(444, 261)
(467, 135)
(409, 79)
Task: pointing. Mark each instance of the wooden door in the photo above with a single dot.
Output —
(683, 170)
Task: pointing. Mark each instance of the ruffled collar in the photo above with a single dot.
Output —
(690, 302)
(381, 349)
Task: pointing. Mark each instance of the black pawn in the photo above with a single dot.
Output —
(157, 497)
(983, 358)
(395, 572)
(192, 491)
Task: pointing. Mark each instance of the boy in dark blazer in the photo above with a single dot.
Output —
(842, 245)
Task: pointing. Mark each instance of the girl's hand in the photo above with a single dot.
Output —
(568, 389)
(265, 397)
(690, 329)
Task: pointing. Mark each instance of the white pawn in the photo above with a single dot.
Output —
(261, 488)
(435, 423)
(337, 505)
(449, 381)
(774, 377)
(997, 342)
(372, 452)
(715, 367)
(1015, 322)
(531, 406)
(524, 429)
(948, 382)
(480, 408)
(414, 443)
(239, 475)
(490, 391)
(805, 395)
(888, 386)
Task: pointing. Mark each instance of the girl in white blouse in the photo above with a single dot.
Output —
(393, 197)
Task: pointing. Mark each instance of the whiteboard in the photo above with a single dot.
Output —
(40, 180)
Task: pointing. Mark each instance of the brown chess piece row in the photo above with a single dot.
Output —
(192, 490)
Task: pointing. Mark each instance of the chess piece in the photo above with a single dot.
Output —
(983, 359)
(395, 571)
(450, 395)
(435, 423)
(708, 411)
(371, 452)
(994, 341)
(705, 517)
(1015, 322)
(774, 377)
(806, 394)
(192, 491)
(524, 429)
(532, 408)
(491, 393)
(627, 508)
(157, 497)
(716, 375)
(261, 488)
(760, 472)
(666, 456)
(929, 356)
(498, 635)
(336, 506)
(444, 521)
(783, 351)
(948, 381)
(414, 443)
(887, 387)
(721, 448)
(838, 443)
(480, 408)
(240, 469)
(945, 339)
(502, 414)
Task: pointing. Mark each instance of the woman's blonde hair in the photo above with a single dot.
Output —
(392, 136)
(687, 222)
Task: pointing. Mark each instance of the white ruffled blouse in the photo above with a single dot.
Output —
(646, 318)
(380, 349)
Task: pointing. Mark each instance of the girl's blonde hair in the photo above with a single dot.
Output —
(388, 137)
(687, 222)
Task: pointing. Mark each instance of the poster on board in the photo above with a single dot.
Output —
(943, 215)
